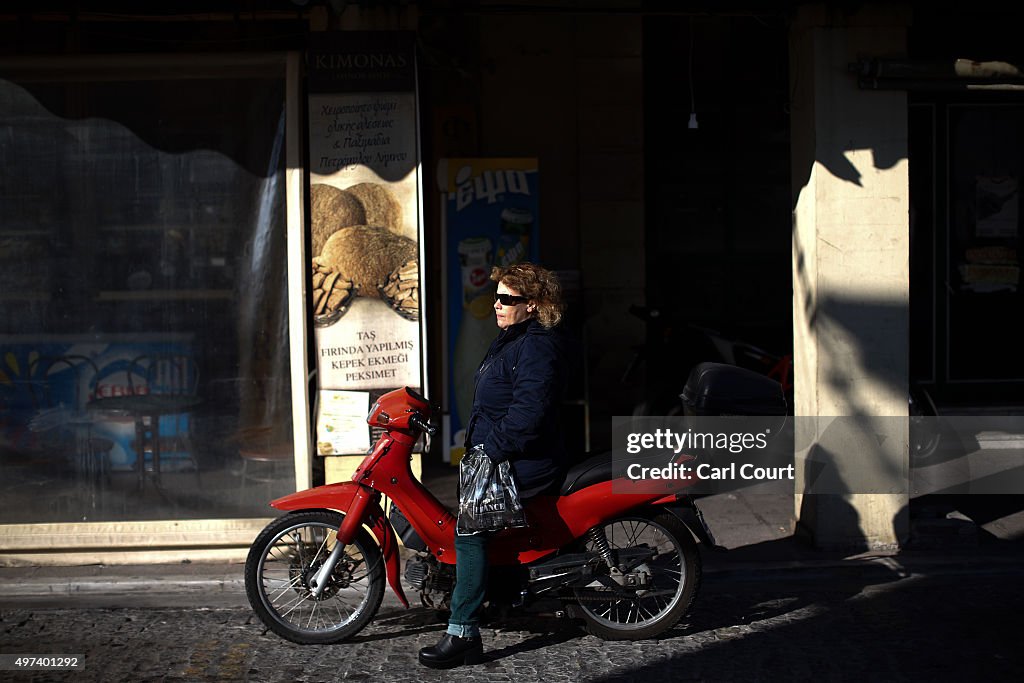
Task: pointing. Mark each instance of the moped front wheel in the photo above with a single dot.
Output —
(280, 571)
(645, 596)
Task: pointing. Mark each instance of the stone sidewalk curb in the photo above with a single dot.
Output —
(227, 580)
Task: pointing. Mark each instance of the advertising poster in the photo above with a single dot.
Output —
(364, 212)
(342, 422)
(491, 218)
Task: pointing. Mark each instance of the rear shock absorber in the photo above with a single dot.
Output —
(598, 539)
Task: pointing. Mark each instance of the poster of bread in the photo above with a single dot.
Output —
(364, 202)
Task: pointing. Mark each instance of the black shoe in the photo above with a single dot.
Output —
(452, 651)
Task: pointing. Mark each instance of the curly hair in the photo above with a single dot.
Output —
(538, 284)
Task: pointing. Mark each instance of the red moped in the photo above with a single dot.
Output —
(626, 563)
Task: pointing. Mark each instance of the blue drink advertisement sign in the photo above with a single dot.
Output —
(491, 219)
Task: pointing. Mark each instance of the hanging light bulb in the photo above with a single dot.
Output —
(689, 67)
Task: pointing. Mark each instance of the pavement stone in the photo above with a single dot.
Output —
(922, 627)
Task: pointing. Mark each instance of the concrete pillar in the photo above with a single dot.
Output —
(850, 268)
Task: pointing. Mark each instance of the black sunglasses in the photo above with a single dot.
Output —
(510, 299)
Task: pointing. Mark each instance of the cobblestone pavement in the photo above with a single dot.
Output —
(842, 625)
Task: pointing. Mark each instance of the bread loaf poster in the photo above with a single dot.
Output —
(490, 219)
(365, 212)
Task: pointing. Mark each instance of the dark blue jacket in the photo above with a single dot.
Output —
(519, 389)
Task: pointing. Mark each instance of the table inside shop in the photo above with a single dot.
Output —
(91, 453)
(141, 408)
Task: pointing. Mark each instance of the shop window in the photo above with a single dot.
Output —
(986, 170)
(143, 295)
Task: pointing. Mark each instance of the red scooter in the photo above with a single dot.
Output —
(625, 563)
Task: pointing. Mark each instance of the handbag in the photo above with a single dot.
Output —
(488, 495)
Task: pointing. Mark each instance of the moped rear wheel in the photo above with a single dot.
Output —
(285, 558)
(645, 600)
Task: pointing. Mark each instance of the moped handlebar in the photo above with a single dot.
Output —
(416, 420)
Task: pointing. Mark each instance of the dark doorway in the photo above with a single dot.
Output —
(718, 194)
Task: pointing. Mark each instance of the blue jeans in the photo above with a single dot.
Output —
(470, 585)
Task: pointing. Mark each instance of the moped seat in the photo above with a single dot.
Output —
(591, 471)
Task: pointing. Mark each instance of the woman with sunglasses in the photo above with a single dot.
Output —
(518, 389)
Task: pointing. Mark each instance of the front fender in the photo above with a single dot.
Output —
(337, 496)
(340, 497)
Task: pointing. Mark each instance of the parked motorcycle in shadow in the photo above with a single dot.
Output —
(681, 340)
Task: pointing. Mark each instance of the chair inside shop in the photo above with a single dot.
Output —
(169, 376)
(63, 427)
(266, 457)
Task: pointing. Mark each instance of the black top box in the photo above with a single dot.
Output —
(719, 389)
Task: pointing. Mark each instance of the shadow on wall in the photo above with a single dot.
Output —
(852, 136)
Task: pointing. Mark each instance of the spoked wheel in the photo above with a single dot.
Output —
(282, 564)
(654, 583)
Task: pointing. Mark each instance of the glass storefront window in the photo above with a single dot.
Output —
(144, 347)
(986, 168)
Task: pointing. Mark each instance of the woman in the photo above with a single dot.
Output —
(519, 386)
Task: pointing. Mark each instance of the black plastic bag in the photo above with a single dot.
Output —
(488, 496)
